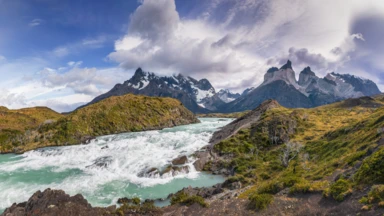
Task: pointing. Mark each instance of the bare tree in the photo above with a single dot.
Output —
(305, 159)
(289, 152)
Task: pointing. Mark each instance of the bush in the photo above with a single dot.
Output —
(183, 198)
(260, 201)
(372, 169)
(376, 194)
(300, 187)
(136, 200)
(195, 199)
(272, 187)
(364, 200)
(340, 189)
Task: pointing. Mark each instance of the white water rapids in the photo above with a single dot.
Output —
(123, 158)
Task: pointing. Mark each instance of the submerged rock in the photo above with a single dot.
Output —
(151, 173)
(101, 162)
(175, 170)
(86, 139)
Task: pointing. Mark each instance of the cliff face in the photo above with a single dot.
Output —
(127, 113)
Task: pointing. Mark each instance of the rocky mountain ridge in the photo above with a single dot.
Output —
(196, 95)
(279, 84)
(309, 91)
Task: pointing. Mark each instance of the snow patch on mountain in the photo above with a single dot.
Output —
(227, 96)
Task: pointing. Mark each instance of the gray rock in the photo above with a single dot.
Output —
(180, 160)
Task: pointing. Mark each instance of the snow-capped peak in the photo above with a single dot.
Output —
(227, 96)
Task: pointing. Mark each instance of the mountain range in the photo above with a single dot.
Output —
(279, 84)
(199, 96)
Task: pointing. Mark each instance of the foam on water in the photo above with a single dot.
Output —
(123, 157)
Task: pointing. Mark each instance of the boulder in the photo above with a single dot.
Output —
(174, 170)
(151, 173)
(180, 160)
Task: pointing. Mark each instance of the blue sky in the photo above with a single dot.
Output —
(63, 53)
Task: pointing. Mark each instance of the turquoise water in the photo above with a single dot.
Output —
(123, 156)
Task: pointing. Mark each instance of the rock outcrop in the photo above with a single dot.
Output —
(243, 122)
(58, 203)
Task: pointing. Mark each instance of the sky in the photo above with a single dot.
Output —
(63, 53)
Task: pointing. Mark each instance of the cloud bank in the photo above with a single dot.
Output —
(231, 42)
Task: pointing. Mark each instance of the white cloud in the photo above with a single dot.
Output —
(61, 51)
(2, 58)
(29, 82)
(95, 42)
(35, 22)
(78, 46)
(74, 64)
(232, 40)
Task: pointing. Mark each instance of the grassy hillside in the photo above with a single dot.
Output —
(335, 150)
(223, 115)
(32, 128)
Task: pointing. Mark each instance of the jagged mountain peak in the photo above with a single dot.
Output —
(285, 73)
(139, 72)
(308, 71)
(272, 69)
(287, 65)
(307, 77)
(227, 96)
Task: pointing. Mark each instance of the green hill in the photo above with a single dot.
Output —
(335, 150)
(26, 129)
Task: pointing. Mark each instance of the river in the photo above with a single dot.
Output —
(109, 167)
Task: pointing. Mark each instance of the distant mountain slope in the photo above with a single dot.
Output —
(195, 95)
(308, 91)
(227, 96)
(112, 115)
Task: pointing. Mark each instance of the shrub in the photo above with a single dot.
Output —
(185, 199)
(136, 200)
(364, 200)
(271, 187)
(318, 186)
(195, 199)
(372, 169)
(260, 201)
(300, 187)
(340, 189)
(376, 194)
(381, 204)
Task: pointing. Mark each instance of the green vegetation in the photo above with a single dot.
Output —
(301, 149)
(27, 129)
(339, 190)
(137, 208)
(372, 169)
(260, 201)
(185, 199)
(376, 195)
